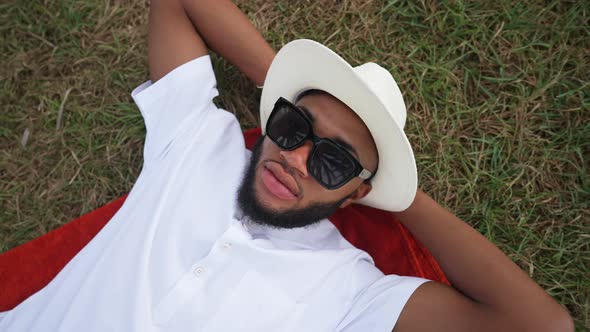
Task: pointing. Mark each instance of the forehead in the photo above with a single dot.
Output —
(333, 119)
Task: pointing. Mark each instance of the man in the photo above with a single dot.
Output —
(209, 241)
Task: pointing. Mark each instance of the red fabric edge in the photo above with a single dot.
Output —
(29, 267)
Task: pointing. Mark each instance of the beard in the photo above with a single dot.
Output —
(260, 214)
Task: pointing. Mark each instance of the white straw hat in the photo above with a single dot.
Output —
(371, 92)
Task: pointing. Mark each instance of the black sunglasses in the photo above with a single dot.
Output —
(328, 162)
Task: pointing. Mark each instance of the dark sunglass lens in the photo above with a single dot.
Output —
(330, 165)
(286, 127)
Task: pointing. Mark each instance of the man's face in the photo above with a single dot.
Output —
(278, 190)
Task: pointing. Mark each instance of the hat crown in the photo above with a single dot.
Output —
(380, 81)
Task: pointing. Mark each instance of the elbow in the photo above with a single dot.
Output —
(561, 321)
(551, 321)
(564, 322)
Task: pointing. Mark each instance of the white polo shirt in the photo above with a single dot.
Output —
(177, 256)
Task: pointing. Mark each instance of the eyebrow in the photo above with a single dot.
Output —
(340, 141)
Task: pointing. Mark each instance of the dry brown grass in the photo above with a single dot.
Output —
(497, 95)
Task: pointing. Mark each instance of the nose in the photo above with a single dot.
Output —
(297, 158)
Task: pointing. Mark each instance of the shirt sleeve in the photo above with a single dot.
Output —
(379, 306)
(175, 102)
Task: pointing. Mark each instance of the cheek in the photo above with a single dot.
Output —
(345, 190)
(269, 150)
(316, 193)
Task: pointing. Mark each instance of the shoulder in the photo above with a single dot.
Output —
(379, 305)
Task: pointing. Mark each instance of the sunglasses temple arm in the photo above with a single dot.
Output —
(365, 174)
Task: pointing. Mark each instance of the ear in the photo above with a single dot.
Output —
(356, 195)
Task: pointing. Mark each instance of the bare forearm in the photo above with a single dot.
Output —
(228, 32)
(476, 267)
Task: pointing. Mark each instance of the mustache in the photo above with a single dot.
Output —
(287, 168)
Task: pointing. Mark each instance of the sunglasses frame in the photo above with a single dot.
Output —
(359, 170)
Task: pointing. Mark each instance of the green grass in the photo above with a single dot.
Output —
(497, 94)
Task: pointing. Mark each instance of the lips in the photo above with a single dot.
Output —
(278, 182)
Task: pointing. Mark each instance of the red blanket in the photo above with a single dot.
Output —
(27, 268)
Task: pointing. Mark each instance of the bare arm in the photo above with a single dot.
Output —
(491, 293)
(181, 30)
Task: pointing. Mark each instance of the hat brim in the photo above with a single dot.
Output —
(305, 64)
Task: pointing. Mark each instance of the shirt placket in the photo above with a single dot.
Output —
(194, 291)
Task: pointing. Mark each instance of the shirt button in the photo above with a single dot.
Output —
(199, 270)
(227, 245)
